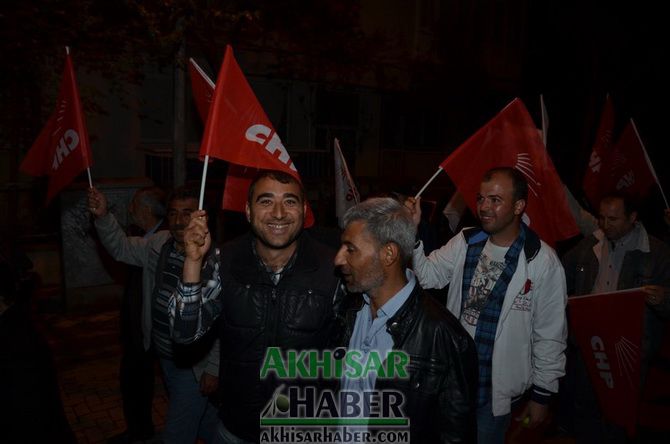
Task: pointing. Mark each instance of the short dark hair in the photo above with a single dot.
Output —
(519, 183)
(629, 204)
(277, 175)
(154, 198)
(183, 192)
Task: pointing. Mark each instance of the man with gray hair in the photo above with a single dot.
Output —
(387, 312)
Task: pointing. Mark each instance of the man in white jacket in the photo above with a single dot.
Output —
(508, 289)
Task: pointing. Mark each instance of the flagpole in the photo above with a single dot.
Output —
(202, 182)
(545, 123)
(202, 73)
(439, 170)
(88, 168)
(649, 164)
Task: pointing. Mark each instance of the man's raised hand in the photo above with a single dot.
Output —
(197, 239)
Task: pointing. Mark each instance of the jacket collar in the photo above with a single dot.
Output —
(641, 245)
(245, 265)
(400, 323)
(530, 248)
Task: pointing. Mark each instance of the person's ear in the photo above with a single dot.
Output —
(390, 253)
(247, 211)
(519, 207)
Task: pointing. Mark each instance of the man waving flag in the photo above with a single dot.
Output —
(62, 150)
(239, 131)
(511, 139)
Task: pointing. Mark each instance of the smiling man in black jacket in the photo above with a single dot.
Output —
(387, 311)
(273, 287)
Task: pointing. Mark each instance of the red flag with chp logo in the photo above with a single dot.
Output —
(62, 150)
(608, 330)
(595, 175)
(239, 131)
(511, 139)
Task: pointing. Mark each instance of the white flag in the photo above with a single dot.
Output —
(346, 194)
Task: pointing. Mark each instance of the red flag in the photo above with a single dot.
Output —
(238, 131)
(62, 149)
(238, 180)
(511, 139)
(593, 179)
(627, 168)
(608, 330)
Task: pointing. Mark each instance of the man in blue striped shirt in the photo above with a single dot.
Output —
(191, 378)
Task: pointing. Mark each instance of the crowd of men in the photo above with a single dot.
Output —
(212, 313)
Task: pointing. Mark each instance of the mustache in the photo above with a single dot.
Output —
(178, 227)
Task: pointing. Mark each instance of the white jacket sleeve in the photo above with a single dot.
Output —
(436, 270)
(131, 250)
(549, 326)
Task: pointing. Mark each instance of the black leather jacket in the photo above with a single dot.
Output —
(441, 392)
(294, 314)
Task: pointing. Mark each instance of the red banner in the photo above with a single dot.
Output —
(593, 178)
(238, 131)
(627, 169)
(511, 139)
(238, 180)
(608, 329)
(62, 150)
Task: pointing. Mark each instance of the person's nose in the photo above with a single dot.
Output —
(278, 211)
(339, 257)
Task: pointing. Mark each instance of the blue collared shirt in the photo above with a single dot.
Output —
(371, 334)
